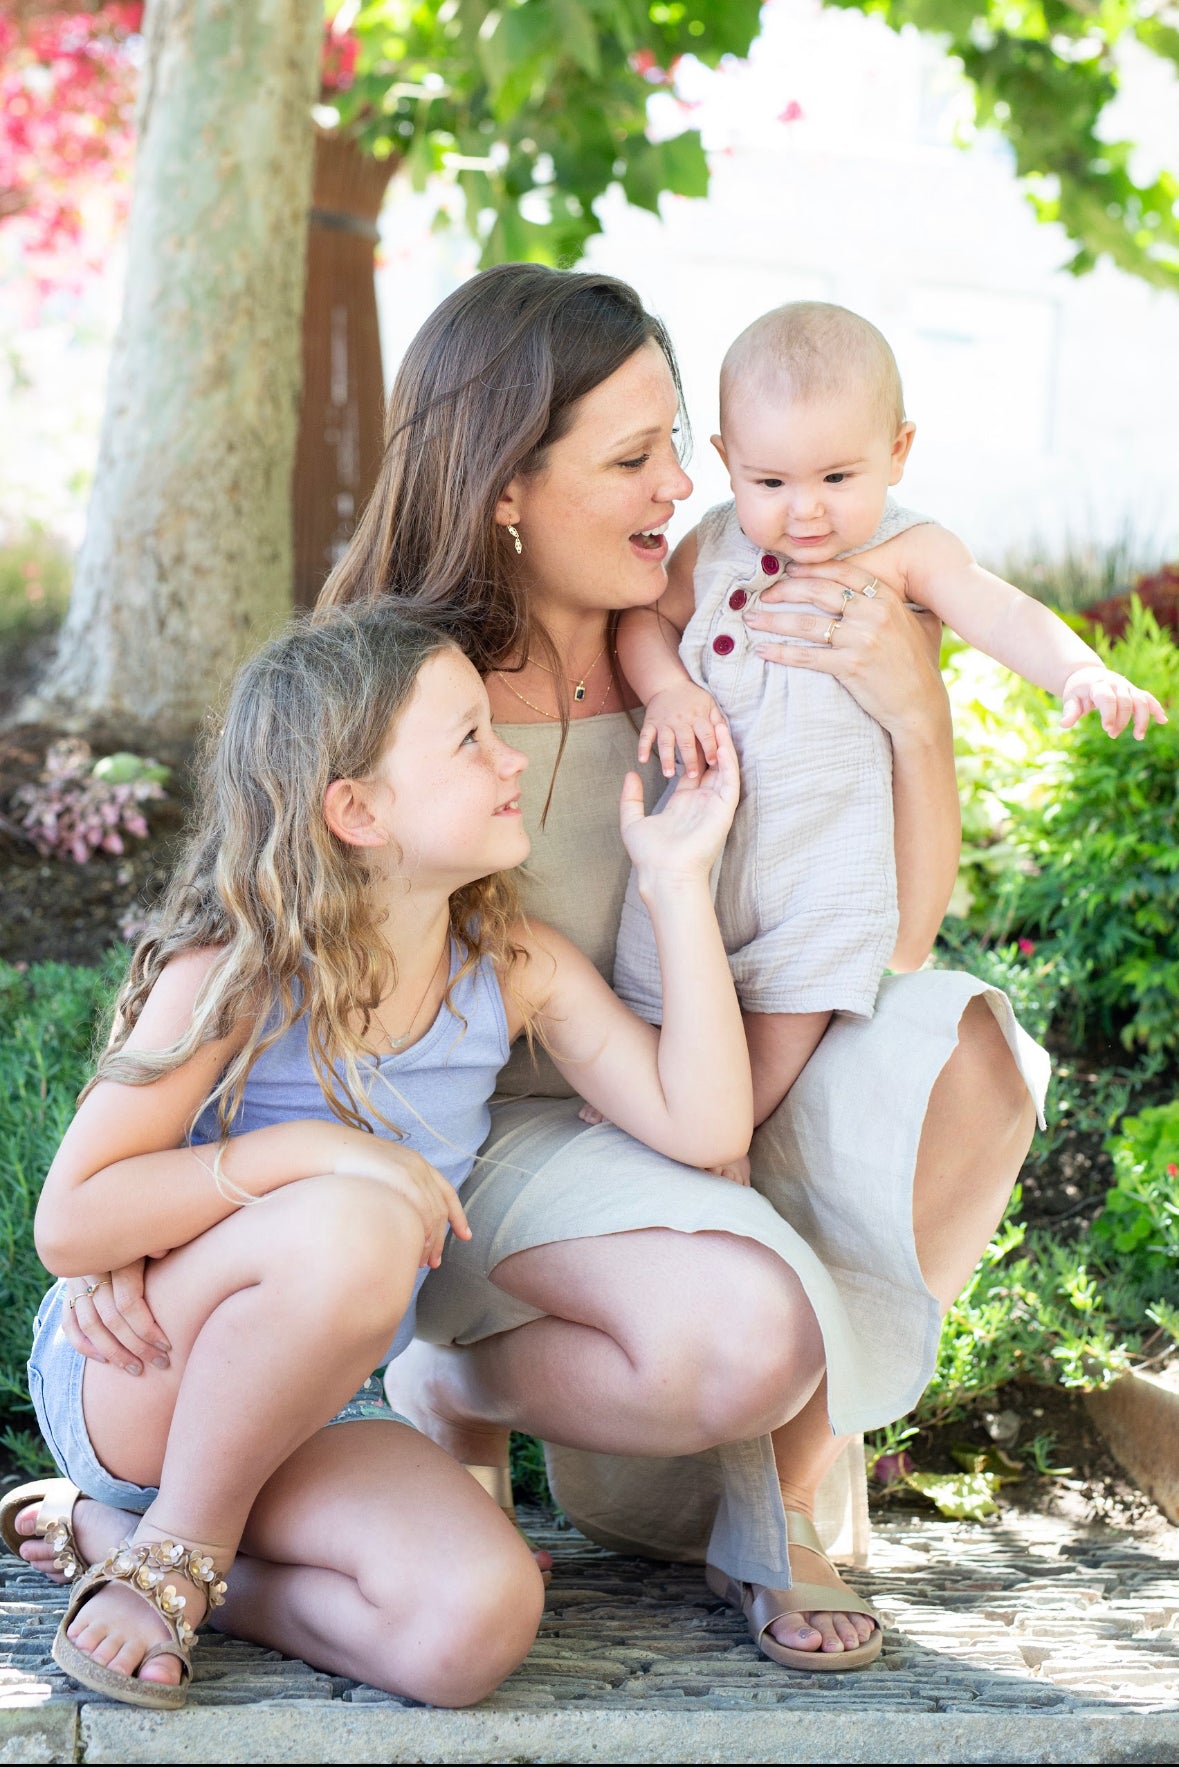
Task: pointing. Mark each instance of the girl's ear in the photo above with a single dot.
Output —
(351, 815)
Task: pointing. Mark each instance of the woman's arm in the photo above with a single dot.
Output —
(887, 658)
(123, 1186)
(685, 1088)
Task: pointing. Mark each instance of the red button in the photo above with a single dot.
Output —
(738, 598)
(723, 645)
(769, 564)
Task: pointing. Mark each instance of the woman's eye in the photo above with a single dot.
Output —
(633, 465)
(836, 478)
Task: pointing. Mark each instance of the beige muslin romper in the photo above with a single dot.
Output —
(832, 1196)
(807, 893)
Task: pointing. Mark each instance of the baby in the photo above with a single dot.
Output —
(813, 433)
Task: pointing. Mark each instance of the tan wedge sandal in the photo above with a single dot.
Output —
(762, 1606)
(497, 1482)
(143, 1568)
(55, 1500)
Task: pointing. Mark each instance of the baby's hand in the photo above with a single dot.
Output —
(591, 1115)
(737, 1171)
(683, 717)
(1094, 688)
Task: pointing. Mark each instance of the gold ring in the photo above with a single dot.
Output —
(828, 636)
(93, 1287)
(870, 589)
(74, 1299)
(849, 595)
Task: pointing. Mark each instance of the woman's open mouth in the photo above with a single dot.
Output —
(651, 542)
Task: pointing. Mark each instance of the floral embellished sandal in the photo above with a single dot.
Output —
(497, 1482)
(143, 1568)
(55, 1499)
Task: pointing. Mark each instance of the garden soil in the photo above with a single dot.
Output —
(58, 911)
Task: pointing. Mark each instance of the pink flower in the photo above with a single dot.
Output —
(792, 114)
(1173, 1171)
(1027, 947)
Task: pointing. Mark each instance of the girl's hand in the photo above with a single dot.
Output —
(882, 652)
(736, 1171)
(689, 832)
(1094, 688)
(683, 717)
(433, 1199)
(110, 1321)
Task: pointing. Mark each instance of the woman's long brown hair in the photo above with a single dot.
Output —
(490, 382)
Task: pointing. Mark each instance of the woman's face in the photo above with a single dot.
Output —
(592, 522)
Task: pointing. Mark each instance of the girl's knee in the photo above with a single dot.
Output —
(358, 1240)
(480, 1623)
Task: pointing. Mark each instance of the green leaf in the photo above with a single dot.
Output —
(962, 1496)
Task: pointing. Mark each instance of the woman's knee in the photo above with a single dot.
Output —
(741, 1365)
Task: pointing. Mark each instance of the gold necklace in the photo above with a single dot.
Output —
(553, 716)
(400, 1042)
(577, 686)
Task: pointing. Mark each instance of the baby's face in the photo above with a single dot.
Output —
(810, 477)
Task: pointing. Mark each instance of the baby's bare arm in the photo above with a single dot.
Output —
(680, 715)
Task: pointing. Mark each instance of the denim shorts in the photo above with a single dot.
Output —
(55, 1386)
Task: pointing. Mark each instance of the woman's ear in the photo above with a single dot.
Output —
(508, 504)
(351, 814)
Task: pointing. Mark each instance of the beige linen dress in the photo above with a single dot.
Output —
(832, 1196)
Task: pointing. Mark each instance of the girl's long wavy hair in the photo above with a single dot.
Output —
(265, 881)
(491, 381)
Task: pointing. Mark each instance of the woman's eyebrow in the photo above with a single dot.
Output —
(637, 437)
(470, 716)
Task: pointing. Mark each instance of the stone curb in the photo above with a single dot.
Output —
(1139, 1417)
(324, 1731)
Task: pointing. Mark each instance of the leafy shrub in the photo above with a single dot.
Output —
(1103, 880)
(47, 1021)
(80, 806)
(1137, 1232)
(35, 576)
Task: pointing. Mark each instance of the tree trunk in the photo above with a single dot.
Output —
(186, 562)
(339, 447)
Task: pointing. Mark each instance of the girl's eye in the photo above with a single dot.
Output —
(471, 736)
(772, 484)
(836, 478)
(633, 465)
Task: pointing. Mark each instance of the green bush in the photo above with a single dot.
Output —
(1137, 1232)
(1102, 845)
(35, 577)
(48, 1015)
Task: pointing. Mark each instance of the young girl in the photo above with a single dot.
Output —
(813, 433)
(294, 1091)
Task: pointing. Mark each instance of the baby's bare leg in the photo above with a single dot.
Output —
(780, 1045)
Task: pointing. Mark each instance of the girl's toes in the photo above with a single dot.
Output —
(26, 1521)
(165, 1670)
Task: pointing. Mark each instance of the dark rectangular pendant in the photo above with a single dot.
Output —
(579, 691)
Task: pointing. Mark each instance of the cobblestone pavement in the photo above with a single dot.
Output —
(1022, 1616)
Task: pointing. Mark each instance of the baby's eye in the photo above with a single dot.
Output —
(471, 736)
(771, 484)
(836, 478)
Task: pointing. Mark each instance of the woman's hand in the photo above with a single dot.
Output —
(433, 1199)
(689, 832)
(107, 1318)
(882, 652)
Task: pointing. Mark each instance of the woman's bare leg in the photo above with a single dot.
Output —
(314, 1279)
(976, 1133)
(623, 1362)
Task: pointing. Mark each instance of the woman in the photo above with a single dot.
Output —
(702, 1352)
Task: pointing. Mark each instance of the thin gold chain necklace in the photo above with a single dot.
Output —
(577, 686)
(552, 716)
(400, 1042)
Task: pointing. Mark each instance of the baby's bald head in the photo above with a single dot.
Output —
(807, 351)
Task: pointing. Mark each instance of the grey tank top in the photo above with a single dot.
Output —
(436, 1092)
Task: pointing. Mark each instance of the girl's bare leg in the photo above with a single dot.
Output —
(976, 1133)
(314, 1280)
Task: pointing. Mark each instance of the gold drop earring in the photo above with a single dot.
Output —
(516, 539)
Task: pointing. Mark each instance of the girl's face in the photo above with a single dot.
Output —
(592, 522)
(452, 809)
